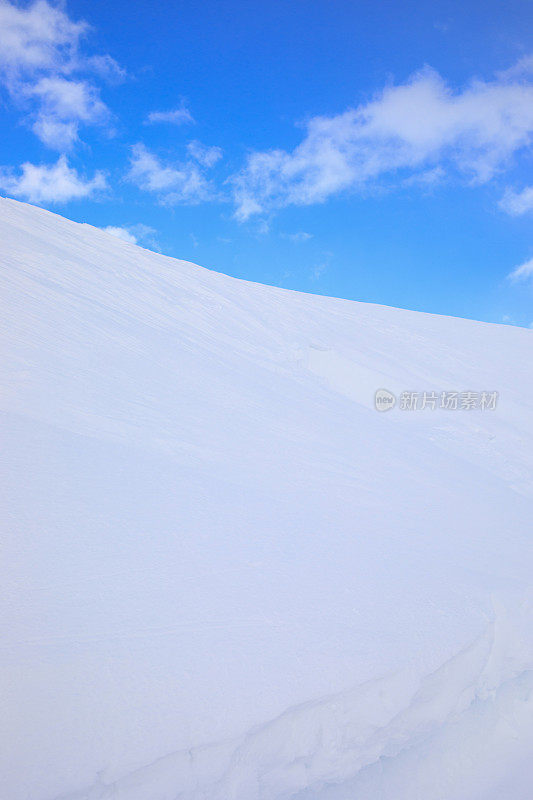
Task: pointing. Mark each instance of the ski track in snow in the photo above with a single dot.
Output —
(205, 522)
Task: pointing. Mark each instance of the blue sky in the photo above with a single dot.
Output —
(378, 151)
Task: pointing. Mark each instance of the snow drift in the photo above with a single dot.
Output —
(225, 575)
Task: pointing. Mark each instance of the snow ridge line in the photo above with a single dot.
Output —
(327, 742)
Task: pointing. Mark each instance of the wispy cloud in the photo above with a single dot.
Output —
(300, 236)
(134, 234)
(318, 270)
(120, 233)
(524, 272)
(408, 128)
(64, 104)
(56, 133)
(204, 155)
(53, 183)
(521, 69)
(321, 267)
(517, 203)
(145, 235)
(177, 116)
(106, 67)
(427, 178)
(47, 74)
(181, 183)
(39, 37)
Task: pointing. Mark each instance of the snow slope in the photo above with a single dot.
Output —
(225, 575)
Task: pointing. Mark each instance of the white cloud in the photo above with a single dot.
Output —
(426, 178)
(106, 67)
(65, 99)
(523, 68)
(134, 234)
(317, 271)
(247, 206)
(38, 37)
(206, 156)
(517, 203)
(523, 272)
(413, 127)
(181, 183)
(120, 233)
(39, 57)
(300, 236)
(144, 235)
(178, 116)
(55, 183)
(54, 133)
(64, 104)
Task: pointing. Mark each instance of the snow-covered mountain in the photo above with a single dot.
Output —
(225, 575)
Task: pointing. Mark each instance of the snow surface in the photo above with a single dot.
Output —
(224, 575)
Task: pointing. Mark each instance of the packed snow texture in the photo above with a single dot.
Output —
(225, 576)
